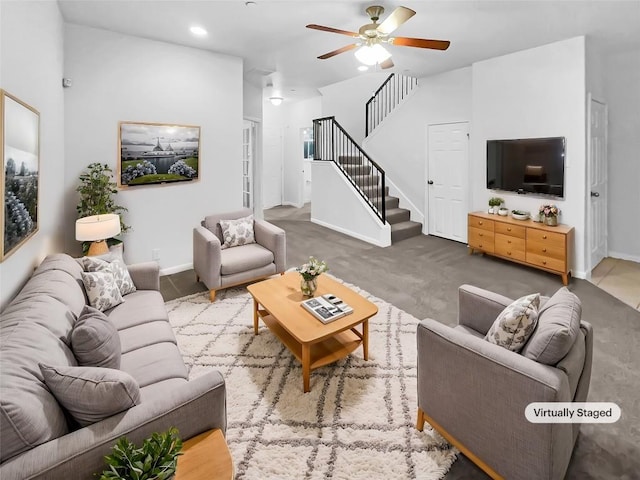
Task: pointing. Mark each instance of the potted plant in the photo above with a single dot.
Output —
(550, 214)
(310, 272)
(97, 191)
(156, 459)
(494, 204)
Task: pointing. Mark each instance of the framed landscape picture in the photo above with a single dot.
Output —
(20, 143)
(156, 153)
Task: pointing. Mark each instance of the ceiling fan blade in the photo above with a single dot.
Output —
(338, 51)
(388, 63)
(420, 43)
(397, 18)
(332, 30)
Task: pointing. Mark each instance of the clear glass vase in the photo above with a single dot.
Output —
(308, 287)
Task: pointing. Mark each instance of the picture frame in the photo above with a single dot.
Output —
(157, 153)
(20, 177)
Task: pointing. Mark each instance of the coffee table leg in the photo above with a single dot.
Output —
(365, 339)
(306, 366)
(255, 316)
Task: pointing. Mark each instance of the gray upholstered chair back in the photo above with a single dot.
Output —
(212, 222)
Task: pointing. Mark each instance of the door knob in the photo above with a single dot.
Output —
(595, 194)
(430, 182)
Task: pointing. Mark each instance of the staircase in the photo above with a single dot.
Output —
(398, 218)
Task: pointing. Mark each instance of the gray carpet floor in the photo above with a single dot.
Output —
(421, 275)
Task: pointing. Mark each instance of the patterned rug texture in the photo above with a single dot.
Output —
(358, 420)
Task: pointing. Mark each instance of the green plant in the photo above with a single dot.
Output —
(156, 459)
(495, 201)
(97, 191)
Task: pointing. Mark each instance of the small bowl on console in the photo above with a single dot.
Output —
(520, 214)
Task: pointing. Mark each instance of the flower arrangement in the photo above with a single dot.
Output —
(495, 201)
(312, 268)
(549, 211)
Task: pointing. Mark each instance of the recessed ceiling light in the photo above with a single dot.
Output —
(363, 68)
(198, 31)
(250, 3)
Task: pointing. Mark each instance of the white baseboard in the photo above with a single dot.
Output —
(582, 275)
(176, 269)
(625, 256)
(373, 241)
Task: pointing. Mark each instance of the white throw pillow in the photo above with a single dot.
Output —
(112, 264)
(237, 232)
(102, 290)
(515, 324)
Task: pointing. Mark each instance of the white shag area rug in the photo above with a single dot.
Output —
(358, 420)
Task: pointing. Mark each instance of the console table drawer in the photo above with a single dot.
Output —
(546, 262)
(548, 238)
(481, 239)
(511, 230)
(510, 247)
(481, 223)
(548, 249)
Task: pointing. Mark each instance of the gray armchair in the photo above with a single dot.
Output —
(475, 393)
(220, 268)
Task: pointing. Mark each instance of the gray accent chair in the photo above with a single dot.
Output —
(38, 439)
(221, 268)
(474, 393)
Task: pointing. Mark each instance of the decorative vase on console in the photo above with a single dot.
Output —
(494, 204)
(310, 272)
(549, 213)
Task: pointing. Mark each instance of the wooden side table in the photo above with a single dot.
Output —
(205, 457)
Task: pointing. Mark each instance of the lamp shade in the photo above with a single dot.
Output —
(275, 100)
(370, 55)
(97, 227)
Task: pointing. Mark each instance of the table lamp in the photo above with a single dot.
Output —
(96, 229)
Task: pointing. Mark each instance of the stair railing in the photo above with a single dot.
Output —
(388, 96)
(333, 143)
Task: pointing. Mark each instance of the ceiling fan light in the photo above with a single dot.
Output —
(275, 101)
(370, 55)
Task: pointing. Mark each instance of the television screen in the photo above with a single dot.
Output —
(530, 165)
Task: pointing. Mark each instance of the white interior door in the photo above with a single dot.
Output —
(272, 159)
(248, 155)
(597, 181)
(447, 180)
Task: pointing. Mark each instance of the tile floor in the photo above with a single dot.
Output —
(620, 278)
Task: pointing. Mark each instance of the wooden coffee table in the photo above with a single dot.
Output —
(312, 342)
(205, 457)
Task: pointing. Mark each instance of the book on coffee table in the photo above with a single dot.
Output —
(327, 308)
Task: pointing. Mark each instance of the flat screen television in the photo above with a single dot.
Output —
(527, 166)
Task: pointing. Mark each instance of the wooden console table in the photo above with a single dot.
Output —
(205, 457)
(523, 241)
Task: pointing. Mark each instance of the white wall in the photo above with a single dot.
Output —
(31, 66)
(346, 101)
(118, 77)
(622, 95)
(342, 209)
(534, 93)
(398, 144)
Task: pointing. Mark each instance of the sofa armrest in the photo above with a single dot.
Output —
(478, 308)
(274, 239)
(195, 408)
(145, 276)
(478, 392)
(207, 260)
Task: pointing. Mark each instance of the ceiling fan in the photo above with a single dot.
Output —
(372, 35)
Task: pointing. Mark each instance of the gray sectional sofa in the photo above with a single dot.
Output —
(38, 438)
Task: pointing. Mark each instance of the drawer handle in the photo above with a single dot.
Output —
(508, 253)
(481, 234)
(480, 245)
(544, 262)
(479, 223)
(508, 241)
(544, 237)
(508, 229)
(544, 250)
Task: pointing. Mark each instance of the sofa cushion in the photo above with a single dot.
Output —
(212, 222)
(36, 329)
(91, 394)
(102, 290)
(515, 324)
(142, 306)
(244, 258)
(155, 363)
(115, 265)
(95, 341)
(557, 330)
(238, 232)
(145, 334)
